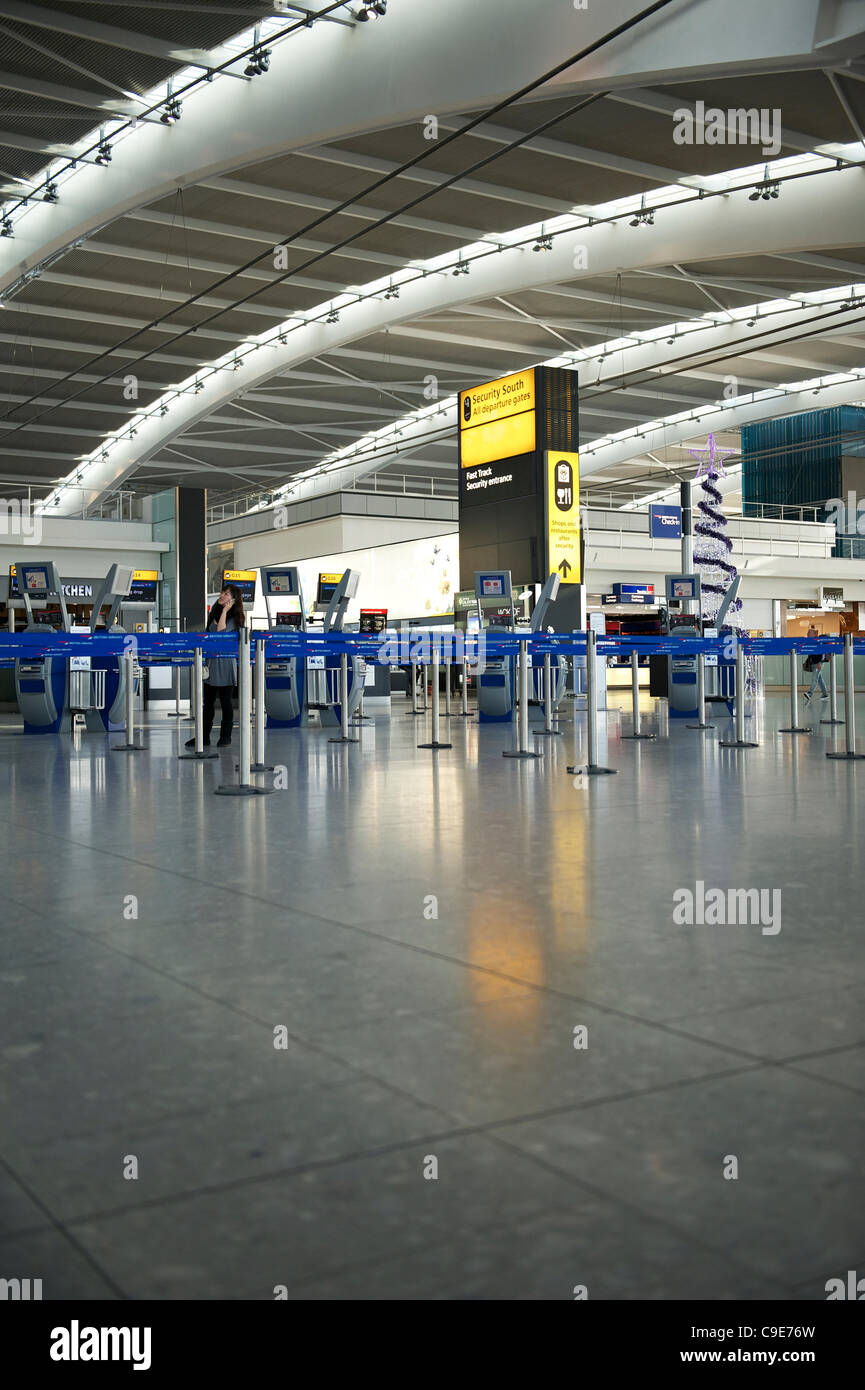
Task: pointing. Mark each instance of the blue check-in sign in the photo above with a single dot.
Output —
(665, 521)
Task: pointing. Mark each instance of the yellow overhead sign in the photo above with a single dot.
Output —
(145, 576)
(496, 400)
(238, 576)
(500, 439)
(563, 515)
(330, 578)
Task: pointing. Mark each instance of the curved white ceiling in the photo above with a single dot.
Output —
(691, 230)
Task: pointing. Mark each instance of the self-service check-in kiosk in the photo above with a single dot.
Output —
(284, 676)
(330, 710)
(497, 682)
(558, 664)
(110, 715)
(494, 596)
(41, 682)
(681, 590)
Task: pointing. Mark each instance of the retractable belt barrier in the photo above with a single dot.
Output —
(431, 648)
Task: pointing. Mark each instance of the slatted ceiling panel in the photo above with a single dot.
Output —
(61, 56)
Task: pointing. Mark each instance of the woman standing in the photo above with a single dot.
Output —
(226, 615)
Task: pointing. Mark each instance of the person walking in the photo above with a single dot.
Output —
(814, 664)
(226, 615)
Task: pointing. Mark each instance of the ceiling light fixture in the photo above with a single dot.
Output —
(543, 243)
(6, 226)
(375, 9)
(333, 317)
(103, 154)
(173, 111)
(50, 194)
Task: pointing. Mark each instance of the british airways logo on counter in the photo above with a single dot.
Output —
(665, 521)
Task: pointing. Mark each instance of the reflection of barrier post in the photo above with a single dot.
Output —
(850, 755)
(176, 712)
(795, 726)
(523, 750)
(833, 693)
(701, 695)
(424, 678)
(592, 767)
(243, 786)
(434, 666)
(260, 668)
(635, 699)
(739, 741)
(448, 669)
(200, 752)
(344, 736)
(414, 708)
(548, 731)
(464, 693)
(130, 746)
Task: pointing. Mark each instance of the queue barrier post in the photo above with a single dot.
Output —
(243, 786)
(833, 693)
(522, 750)
(548, 731)
(592, 768)
(701, 695)
(344, 736)
(130, 746)
(795, 726)
(200, 753)
(849, 755)
(435, 744)
(635, 699)
(739, 741)
(260, 712)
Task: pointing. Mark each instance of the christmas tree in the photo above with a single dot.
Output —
(713, 550)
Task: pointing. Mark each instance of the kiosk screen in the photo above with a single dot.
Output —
(143, 587)
(288, 620)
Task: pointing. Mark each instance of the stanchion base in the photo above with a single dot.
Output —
(527, 754)
(257, 767)
(234, 790)
(633, 736)
(128, 748)
(699, 726)
(831, 721)
(546, 733)
(343, 740)
(846, 757)
(195, 757)
(800, 730)
(736, 743)
(435, 746)
(592, 770)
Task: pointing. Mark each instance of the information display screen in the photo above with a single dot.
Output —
(244, 580)
(288, 620)
(143, 588)
(327, 587)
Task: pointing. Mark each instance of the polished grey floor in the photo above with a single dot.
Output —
(333, 1029)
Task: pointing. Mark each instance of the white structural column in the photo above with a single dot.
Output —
(690, 231)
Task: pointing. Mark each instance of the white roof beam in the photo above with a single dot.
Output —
(353, 160)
